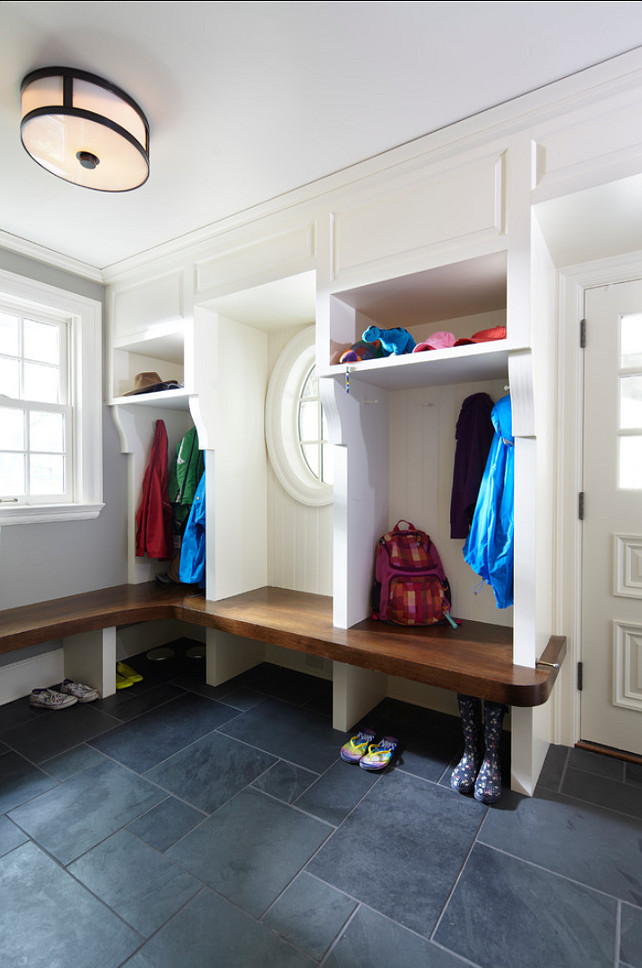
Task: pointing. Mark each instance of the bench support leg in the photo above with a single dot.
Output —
(355, 691)
(228, 655)
(90, 657)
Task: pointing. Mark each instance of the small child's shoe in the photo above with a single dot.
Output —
(354, 749)
(379, 754)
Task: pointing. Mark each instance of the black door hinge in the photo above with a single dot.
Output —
(580, 505)
(580, 676)
(582, 334)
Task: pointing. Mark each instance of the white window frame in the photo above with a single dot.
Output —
(281, 422)
(85, 388)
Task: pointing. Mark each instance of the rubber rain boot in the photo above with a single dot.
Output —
(463, 776)
(488, 786)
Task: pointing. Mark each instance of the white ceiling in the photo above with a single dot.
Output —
(247, 101)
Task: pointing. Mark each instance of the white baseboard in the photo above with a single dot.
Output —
(19, 678)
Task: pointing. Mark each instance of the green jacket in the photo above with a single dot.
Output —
(184, 474)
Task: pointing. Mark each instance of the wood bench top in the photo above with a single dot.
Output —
(475, 659)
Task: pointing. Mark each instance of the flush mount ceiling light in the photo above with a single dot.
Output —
(84, 129)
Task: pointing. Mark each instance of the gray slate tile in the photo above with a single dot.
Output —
(54, 920)
(127, 704)
(614, 795)
(598, 764)
(250, 849)
(631, 936)
(20, 781)
(297, 735)
(285, 781)
(310, 914)
(553, 769)
(574, 839)
(211, 932)
(504, 912)
(166, 823)
(210, 771)
(54, 732)
(140, 884)
(78, 814)
(73, 762)
(151, 738)
(372, 941)
(401, 849)
(337, 792)
(10, 836)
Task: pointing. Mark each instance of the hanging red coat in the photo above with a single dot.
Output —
(154, 515)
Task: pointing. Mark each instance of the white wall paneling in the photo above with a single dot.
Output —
(461, 202)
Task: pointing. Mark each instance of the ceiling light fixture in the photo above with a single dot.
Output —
(84, 129)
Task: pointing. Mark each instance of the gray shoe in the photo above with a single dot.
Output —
(50, 699)
(82, 692)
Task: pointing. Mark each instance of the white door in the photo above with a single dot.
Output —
(611, 647)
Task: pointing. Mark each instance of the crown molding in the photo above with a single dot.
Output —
(40, 253)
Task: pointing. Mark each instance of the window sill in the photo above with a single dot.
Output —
(48, 513)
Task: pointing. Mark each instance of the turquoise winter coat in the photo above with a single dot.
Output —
(489, 546)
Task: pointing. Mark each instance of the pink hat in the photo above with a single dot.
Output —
(484, 336)
(438, 341)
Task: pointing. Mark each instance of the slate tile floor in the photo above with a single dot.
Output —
(175, 825)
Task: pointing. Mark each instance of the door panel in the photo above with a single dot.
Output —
(611, 647)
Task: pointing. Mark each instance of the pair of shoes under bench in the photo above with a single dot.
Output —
(68, 693)
(363, 749)
(126, 676)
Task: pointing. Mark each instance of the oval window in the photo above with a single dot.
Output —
(295, 425)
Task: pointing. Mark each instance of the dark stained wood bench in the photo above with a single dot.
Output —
(475, 659)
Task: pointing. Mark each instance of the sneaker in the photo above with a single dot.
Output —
(79, 690)
(379, 754)
(353, 750)
(50, 699)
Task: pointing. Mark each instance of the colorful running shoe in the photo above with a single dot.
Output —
(379, 754)
(354, 749)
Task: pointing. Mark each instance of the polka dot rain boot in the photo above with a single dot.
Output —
(463, 776)
(488, 786)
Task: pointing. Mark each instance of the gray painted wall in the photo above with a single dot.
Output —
(41, 561)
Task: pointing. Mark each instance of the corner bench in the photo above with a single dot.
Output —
(475, 659)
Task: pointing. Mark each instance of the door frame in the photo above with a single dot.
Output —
(573, 281)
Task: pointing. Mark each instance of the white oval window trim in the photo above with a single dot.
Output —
(281, 432)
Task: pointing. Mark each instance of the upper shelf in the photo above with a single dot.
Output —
(460, 364)
(163, 400)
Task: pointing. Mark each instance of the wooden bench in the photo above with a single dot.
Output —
(475, 659)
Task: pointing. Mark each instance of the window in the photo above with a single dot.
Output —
(295, 425)
(630, 386)
(35, 424)
(50, 403)
(311, 429)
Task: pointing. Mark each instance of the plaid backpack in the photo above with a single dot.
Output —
(410, 587)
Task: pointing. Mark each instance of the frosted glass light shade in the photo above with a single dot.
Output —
(84, 129)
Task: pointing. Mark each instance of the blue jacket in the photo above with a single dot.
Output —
(192, 566)
(489, 547)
